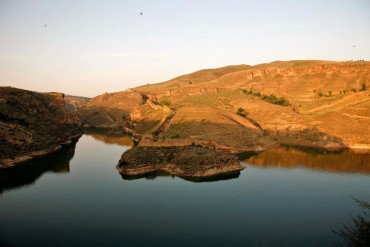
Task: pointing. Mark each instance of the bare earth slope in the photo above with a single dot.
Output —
(322, 103)
(33, 124)
(73, 103)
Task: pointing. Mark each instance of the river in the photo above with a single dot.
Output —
(76, 197)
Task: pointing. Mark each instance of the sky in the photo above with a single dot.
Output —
(87, 48)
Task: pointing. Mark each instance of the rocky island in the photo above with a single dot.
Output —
(33, 124)
(190, 162)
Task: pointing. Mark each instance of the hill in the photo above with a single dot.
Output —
(250, 108)
(73, 103)
(33, 124)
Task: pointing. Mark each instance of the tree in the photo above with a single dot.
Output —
(241, 112)
(363, 87)
(359, 233)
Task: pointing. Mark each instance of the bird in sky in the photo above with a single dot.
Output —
(46, 25)
(141, 13)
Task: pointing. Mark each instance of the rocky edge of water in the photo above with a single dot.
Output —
(185, 161)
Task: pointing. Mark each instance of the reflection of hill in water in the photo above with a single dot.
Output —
(110, 138)
(29, 172)
(289, 157)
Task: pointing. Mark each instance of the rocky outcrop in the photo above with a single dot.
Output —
(32, 125)
(185, 161)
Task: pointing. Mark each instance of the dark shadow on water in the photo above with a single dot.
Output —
(358, 233)
(29, 172)
(158, 174)
(310, 158)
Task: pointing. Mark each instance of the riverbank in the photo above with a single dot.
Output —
(11, 162)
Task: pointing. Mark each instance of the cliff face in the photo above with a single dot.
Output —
(32, 124)
(284, 78)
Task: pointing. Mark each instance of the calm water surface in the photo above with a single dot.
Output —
(284, 197)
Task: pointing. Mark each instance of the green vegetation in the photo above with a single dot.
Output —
(269, 98)
(275, 100)
(241, 112)
(123, 117)
(165, 102)
(363, 87)
(176, 136)
(329, 94)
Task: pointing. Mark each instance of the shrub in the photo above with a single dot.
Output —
(123, 117)
(241, 112)
(330, 93)
(358, 234)
(354, 90)
(320, 94)
(165, 102)
(176, 136)
(363, 87)
(275, 100)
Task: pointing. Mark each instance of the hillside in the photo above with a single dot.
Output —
(33, 124)
(306, 102)
(73, 103)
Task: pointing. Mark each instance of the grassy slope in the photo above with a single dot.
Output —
(309, 117)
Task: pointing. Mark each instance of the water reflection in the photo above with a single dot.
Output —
(315, 159)
(159, 174)
(110, 137)
(29, 172)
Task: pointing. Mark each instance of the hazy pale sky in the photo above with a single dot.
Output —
(91, 47)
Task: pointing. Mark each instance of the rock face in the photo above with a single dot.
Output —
(187, 161)
(33, 124)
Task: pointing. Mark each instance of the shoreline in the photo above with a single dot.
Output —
(10, 163)
(331, 147)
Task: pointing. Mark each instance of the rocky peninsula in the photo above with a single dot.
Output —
(190, 162)
(33, 124)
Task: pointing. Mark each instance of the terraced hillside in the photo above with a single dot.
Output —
(247, 108)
